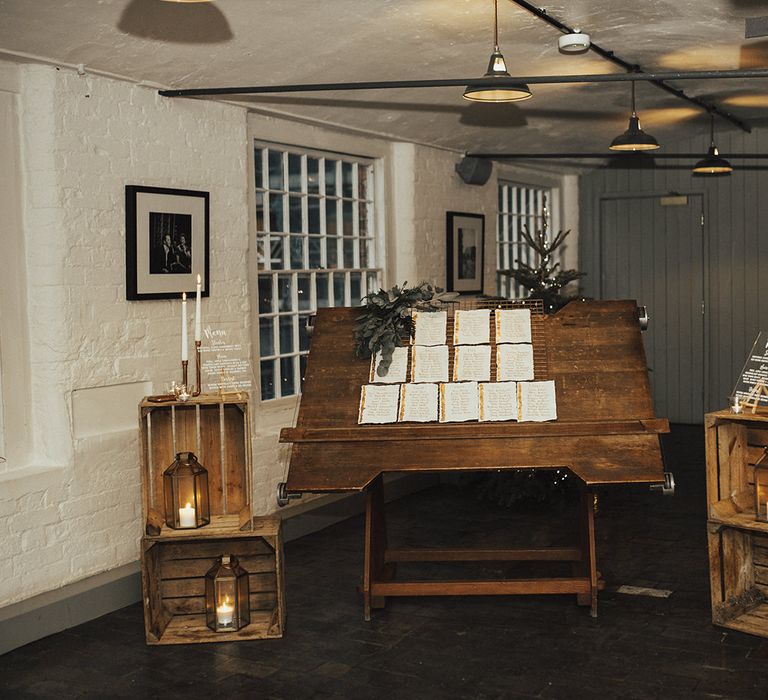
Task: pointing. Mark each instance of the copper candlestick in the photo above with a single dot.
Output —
(196, 392)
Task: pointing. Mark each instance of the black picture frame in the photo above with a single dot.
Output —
(465, 249)
(167, 242)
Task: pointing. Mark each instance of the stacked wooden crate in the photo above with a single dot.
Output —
(174, 562)
(738, 542)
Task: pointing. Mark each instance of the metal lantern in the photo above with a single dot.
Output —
(227, 597)
(185, 487)
(761, 487)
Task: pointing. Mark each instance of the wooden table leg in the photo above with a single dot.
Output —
(588, 564)
(375, 568)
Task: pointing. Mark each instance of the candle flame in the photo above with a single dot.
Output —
(198, 278)
(188, 506)
(183, 296)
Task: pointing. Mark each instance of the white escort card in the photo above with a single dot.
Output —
(430, 327)
(459, 402)
(429, 363)
(418, 403)
(498, 401)
(378, 403)
(514, 363)
(537, 401)
(472, 363)
(513, 325)
(397, 370)
(472, 327)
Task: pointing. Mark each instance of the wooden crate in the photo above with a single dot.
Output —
(738, 543)
(217, 431)
(173, 568)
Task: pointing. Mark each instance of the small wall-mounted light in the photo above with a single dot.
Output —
(574, 42)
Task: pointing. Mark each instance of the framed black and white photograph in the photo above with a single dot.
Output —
(166, 242)
(464, 248)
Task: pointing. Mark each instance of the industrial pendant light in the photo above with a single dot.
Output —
(507, 90)
(634, 138)
(713, 163)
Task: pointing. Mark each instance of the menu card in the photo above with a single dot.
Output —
(430, 327)
(418, 402)
(537, 401)
(471, 327)
(397, 370)
(498, 401)
(514, 362)
(378, 403)
(513, 325)
(429, 363)
(459, 402)
(472, 363)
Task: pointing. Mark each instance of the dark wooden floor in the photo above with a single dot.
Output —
(546, 647)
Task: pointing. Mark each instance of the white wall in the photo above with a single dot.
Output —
(70, 494)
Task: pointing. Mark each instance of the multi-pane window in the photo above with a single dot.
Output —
(315, 248)
(520, 206)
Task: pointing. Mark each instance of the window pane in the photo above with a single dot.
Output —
(294, 172)
(261, 252)
(260, 211)
(330, 177)
(347, 218)
(313, 207)
(362, 182)
(277, 252)
(349, 252)
(303, 291)
(315, 244)
(346, 179)
(363, 227)
(373, 282)
(297, 252)
(321, 290)
(364, 252)
(294, 214)
(355, 284)
(339, 298)
(267, 379)
(258, 161)
(303, 369)
(275, 170)
(284, 295)
(266, 337)
(265, 295)
(286, 334)
(276, 212)
(313, 175)
(303, 335)
(332, 252)
(286, 376)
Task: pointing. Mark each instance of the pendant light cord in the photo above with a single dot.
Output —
(711, 128)
(496, 25)
(634, 111)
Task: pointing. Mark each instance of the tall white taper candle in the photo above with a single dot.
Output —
(184, 338)
(198, 313)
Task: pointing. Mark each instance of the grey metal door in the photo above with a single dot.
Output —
(652, 250)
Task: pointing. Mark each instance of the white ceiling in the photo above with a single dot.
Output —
(257, 42)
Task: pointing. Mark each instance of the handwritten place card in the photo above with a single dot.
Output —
(472, 363)
(397, 370)
(378, 403)
(514, 363)
(429, 363)
(418, 403)
(459, 402)
(513, 325)
(498, 401)
(471, 327)
(537, 401)
(430, 327)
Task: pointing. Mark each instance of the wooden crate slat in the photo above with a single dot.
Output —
(186, 568)
(195, 605)
(757, 436)
(180, 587)
(237, 488)
(209, 549)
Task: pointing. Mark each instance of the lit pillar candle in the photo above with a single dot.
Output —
(184, 338)
(187, 516)
(225, 612)
(198, 313)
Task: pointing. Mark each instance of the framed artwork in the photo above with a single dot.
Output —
(465, 239)
(166, 242)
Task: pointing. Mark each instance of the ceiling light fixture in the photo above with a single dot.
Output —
(507, 90)
(574, 42)
(713, 163)
(634, 138)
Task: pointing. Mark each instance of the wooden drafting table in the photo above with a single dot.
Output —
(606, 433)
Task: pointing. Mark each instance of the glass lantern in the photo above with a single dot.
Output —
(227, 597)
(761, 487)
(185, 488)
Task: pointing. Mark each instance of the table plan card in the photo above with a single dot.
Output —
(514, 363)
(418, 403)
(429, 363)
(397, 370)
(430, 327)
(537, 401)
(472, 327)
(498, 401)
(459, 402)
(379, 403)
(513, 325)
(472, 363)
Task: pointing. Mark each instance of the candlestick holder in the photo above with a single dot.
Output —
(196, 392)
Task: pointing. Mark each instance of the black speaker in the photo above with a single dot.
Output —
(474, 171)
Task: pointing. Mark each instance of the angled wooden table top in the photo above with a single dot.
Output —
(606, 431)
